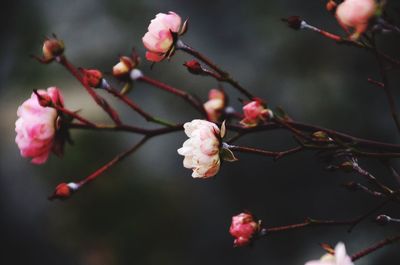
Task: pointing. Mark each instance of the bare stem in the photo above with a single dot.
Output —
(183, 94)
(375, 247)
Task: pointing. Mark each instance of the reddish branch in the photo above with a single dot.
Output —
(98, 99)
(180, 93)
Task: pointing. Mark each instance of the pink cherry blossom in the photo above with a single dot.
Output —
(158, 40)
(243, 228)
(356, 14)
(36, 126)
(215, 104)
(340, 257)
(201, 150)
(255, 112)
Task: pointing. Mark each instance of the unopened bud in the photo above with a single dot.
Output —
(347, 166)
(52, 48)
(124, 67)
(64, 190)
(321, 136)
(194, 67)
(93, 77)
(331, 6)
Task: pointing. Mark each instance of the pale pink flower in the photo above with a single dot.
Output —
(243, 228)
(36, 126)
(356, 14)
(215, 104)
(201, 150)
(255, 112)
(158, 40)
(340, 257)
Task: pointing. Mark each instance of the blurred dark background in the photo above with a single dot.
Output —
(148, 210)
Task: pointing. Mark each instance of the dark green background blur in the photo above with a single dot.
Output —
(148, 209)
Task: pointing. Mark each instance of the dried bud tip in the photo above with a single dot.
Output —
(194, 67)
(92, 77)
(382, 219)
(52, 48)
(44, 99)
(352, 186)
(294, 22)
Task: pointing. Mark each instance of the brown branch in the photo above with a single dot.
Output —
(375, 247)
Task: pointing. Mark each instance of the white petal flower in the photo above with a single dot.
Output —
(340, 257)
(201, 150)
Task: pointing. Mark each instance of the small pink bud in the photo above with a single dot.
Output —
(92, 77)
(124, 67)
(52, 48)
(254, 113)
(215, 104)
(194, 67)
(243, 228)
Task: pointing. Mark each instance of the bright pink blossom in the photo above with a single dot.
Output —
(215, 104)
(201, 150)
(255, 112)
(158, 40)
(356, 14)
(36, 126)
(243, 228)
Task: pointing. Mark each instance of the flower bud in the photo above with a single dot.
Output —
(243, 228)
(215, 104)
(124, 67)
(64, 190)
(331, 6)
(52, 48)
(194, 67)
(254, 113)
(92, 77)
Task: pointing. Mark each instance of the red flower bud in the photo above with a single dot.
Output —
(294, 22)
(194, 67)
(331, 6)
(52, 48)
(243, 228)
(64, 191)
(93, 77)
